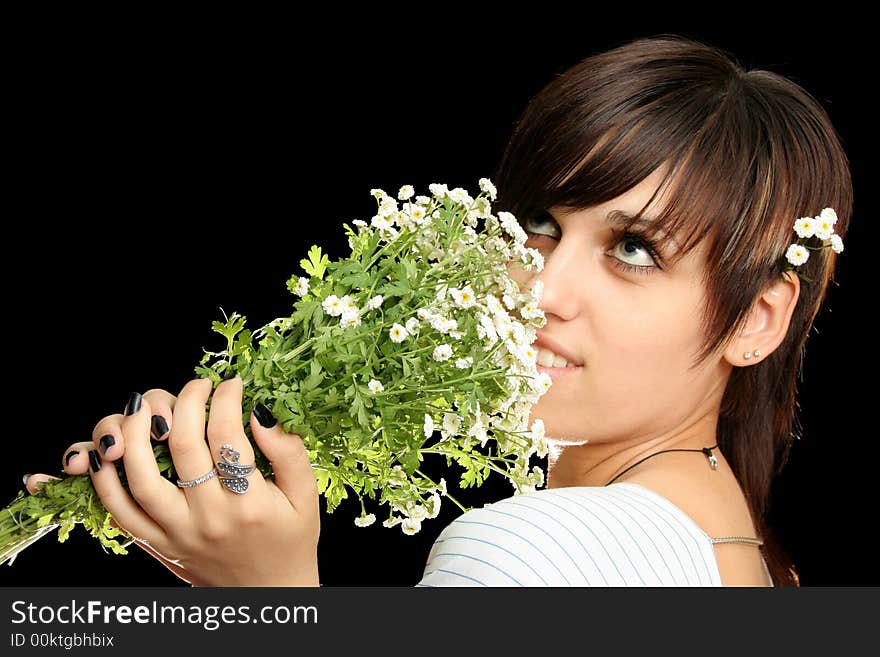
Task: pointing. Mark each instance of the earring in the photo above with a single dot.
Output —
(749, 354)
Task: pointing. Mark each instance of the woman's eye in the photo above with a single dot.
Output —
(634, 251)
(541, 219)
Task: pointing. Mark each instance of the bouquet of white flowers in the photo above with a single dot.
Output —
(420, 329)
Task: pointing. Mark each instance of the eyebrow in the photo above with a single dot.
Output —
(623, 218)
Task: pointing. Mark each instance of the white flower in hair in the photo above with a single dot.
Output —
(797, 254)
(824, 227)
(805, 226)
(836, 243)
(829, 214)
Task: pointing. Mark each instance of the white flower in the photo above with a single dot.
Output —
(537, 476)
(375, 386)
(397, 476)
(511, 225)
(824, 227)
(438, 190)
(411, 526)
(442, 352)
(442, 486)
(828, 214)
(378, 193)
(423, 200)
(302, 286)
(542, 382)
(464, 363)
(805, 227)
(537, 290)
(360, 223)
(487, 187)
(412, 324)
(418, 214)
(433, 505)
(464, 298)
(392, 521)
(460, 195)
(405, 192)
(332, 305)
(382, 223)
(375, 302)
(451, 424)
(443, 324)
(350, 318)
(365, 521)
(836, 243)
(416, 511)
(797, 254)
(398, 333)
(429, 426)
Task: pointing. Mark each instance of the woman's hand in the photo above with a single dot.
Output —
(206, 534)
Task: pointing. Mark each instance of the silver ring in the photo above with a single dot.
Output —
(236, 479)
(197, 480)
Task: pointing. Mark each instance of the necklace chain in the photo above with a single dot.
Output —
(705, 450)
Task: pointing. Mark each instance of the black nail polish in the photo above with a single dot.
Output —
(106, 443)
(264, 416)
(70, 455)
(134, 404)
(94, 460)
(158, 426)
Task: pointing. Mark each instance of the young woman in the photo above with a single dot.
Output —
(661, 183)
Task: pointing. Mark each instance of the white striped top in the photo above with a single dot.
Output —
(618, 535)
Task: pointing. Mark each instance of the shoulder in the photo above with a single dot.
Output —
(619, 535)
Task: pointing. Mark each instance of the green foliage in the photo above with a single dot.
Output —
(316, 372)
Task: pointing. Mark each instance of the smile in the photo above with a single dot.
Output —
(548, 359)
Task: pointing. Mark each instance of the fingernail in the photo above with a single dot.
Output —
(94, 460)
(107, 442)
(134, 404)
(158, 426)
(264, 416)
(70, 455)
(24, 479)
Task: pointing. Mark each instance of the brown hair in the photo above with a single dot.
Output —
(752, 152)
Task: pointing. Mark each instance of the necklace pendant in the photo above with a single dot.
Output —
(713, 461)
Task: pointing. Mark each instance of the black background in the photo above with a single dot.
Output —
(156, 176)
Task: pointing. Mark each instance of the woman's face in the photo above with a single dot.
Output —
(630, 319)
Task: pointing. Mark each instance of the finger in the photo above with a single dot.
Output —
(127, 513)
(162, 402)
(225, 429)
(76, 458)
(189, 451)
(32, 481)
(107, 438)
(159, 497)
(290, 461)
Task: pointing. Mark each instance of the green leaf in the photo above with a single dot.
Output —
(316, 265)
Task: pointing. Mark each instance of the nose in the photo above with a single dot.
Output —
(562, 280)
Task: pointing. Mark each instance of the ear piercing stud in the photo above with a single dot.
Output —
(748, 355)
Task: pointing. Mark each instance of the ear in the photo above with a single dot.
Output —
(767, 324)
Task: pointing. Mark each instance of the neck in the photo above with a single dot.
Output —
(596, 464)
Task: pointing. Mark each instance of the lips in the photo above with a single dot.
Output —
(547, 342)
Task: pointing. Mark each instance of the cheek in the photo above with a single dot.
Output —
(642, 347)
